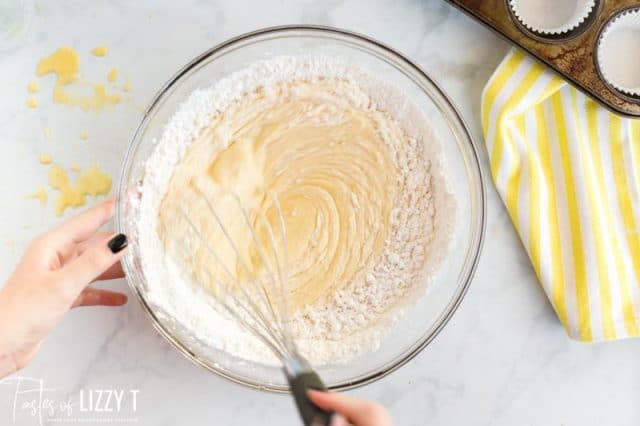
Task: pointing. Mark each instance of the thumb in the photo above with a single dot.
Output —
(357, 411)
(95, 260)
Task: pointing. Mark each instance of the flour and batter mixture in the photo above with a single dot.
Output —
(355, 170)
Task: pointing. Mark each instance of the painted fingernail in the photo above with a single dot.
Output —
(117, 243)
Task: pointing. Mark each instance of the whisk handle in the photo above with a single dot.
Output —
(311, 414)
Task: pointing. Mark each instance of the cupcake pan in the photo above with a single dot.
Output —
(567, 43)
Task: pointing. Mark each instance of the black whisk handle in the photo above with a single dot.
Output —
(311, 414)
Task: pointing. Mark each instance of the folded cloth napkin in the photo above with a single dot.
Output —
(568, 171)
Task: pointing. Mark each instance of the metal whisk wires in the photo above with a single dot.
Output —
(249, 301)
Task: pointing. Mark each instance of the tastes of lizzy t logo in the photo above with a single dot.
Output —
(28, 401)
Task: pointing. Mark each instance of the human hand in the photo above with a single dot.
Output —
(52, 277)
(351, 411)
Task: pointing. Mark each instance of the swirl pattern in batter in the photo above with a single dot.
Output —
(326, 158)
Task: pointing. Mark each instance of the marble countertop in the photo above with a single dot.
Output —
(502, 360)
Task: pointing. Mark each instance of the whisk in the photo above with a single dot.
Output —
(258, 303)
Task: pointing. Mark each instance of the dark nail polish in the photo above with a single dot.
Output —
(118, 243)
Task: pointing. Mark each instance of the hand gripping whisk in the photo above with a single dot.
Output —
(257, 301)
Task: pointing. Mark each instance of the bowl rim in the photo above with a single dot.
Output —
(475, 246)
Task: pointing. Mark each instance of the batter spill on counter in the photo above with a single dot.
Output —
(113, 75)
(40, 195)
(45, 159)
(99, 51)
(92, 181)
(65, 64)
(361, 187)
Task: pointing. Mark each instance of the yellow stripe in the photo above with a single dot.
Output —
(513, 182)
(597, 222)
(554, 85)
(501, 78)
(535, 183)
(498, 146)
(635, 132)
(579, 264)
(557, 268)
(634, 175)
(605, 294)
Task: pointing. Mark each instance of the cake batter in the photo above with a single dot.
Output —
(366, 211)
(324, 157)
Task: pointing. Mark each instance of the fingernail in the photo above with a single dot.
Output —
(117, 243)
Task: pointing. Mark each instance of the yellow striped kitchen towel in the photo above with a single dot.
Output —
(568, 171)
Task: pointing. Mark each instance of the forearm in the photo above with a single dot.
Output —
(15, 345)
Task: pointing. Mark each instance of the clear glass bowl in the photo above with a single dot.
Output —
(420, 324)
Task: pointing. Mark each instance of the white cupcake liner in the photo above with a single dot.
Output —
(618, 52)
(551, 17)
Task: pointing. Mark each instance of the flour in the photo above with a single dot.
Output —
(354, 319)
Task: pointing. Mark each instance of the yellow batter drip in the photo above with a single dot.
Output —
(92, 181)
(113, 75)
(45, 159)
(33, 87)
(41, 195)
(322, 153)
(65, 64)
(98, 100)
(32, 103)
(99, 51)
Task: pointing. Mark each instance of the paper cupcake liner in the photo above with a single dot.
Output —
(551, 17)
(618, 52)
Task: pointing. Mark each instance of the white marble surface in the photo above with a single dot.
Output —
(502, 360)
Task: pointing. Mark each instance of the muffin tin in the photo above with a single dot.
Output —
(572, 50)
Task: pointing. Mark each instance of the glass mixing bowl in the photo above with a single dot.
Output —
(420, 324)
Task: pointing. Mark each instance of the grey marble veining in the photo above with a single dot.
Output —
(502, 360)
